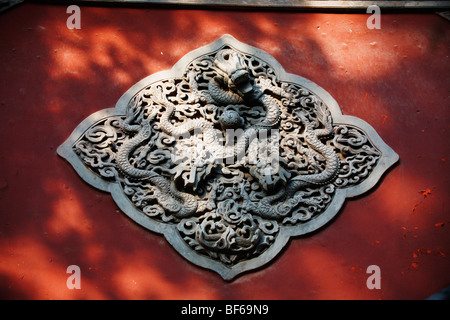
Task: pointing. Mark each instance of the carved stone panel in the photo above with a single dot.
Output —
(228, 156)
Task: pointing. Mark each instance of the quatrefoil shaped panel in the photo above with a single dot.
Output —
(228, 156)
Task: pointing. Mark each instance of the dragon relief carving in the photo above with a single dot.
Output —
(229, 154)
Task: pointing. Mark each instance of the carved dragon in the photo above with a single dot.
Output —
(282, 203)
(179, 203)
(232, 85)
(228, 216)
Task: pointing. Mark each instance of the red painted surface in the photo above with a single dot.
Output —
(395, 78)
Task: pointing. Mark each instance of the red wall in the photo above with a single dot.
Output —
(395, 78)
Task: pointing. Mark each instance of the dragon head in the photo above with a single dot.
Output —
(233, 66)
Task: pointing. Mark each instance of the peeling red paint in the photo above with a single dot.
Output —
(426, 192)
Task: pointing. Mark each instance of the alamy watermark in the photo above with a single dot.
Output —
(374, 280)
(257, 147)
(374, 21)
(249, 147)
(74, 280)
(74, 20)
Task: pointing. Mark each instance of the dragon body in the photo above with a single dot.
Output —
(230, 87)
